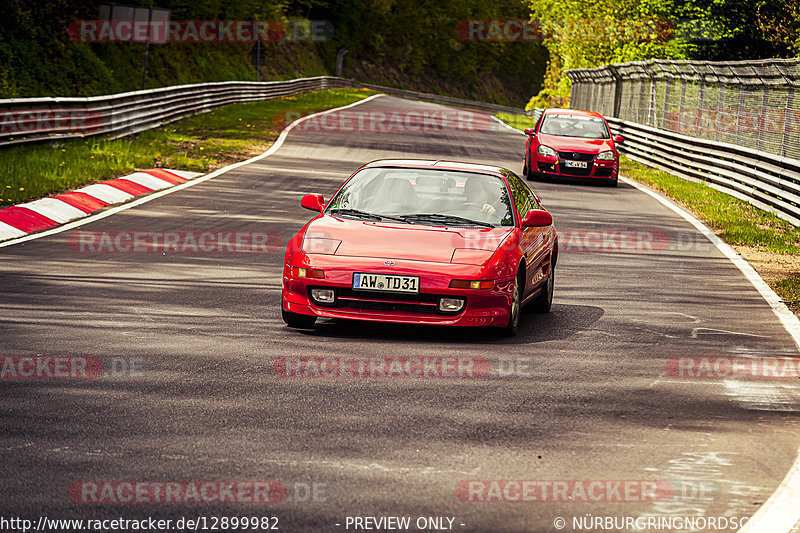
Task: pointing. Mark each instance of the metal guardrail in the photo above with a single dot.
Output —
(768, 181)
(27, 120)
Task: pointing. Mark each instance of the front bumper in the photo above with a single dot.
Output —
(556, 167)
(484, 307)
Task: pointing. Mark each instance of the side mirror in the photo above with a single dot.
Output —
(619, 139)
(314, 202)
(536, 218)
(530, 131)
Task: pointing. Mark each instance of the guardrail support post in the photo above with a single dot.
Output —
(340, 62)
(617, 90)
(788, 119)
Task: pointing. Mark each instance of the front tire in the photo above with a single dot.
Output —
(544, 301)
(516, 307)
(296, 320)
(614, 182)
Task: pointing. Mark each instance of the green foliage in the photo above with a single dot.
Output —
(521, 122)
(412, 44)
(609, 31)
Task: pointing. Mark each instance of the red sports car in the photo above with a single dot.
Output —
(572, 143)
(422, 242)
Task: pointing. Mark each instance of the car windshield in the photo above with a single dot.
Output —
(425, 196)
(575, 126)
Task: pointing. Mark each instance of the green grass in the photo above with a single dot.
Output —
(789, 290)
(736, 221)
(200, 143)
(516, 121)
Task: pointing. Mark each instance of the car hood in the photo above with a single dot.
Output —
(386, 240)
(575, 144)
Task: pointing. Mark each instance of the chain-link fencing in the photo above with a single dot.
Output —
(747, 103)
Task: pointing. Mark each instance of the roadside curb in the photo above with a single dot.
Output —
(46, 213)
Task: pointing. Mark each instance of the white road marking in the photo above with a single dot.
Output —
(144, 199)
(759, 396)
(701, 480)
(186, 174)
(712, 331)
(146, 180)
(54, 209)
(106, 193)
(9, 232)
(695, 319)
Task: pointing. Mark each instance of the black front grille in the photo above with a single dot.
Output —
(382, 301)
(571, 171)
(603, 172)
(388, 306)
(576, 156)
(376, 295)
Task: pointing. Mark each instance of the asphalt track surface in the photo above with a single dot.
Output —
(598, 403)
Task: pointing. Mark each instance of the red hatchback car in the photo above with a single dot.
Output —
(572, 143)
(422, 242)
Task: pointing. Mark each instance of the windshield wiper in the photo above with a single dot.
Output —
(355, 213)
(364, 214)
(444, 219)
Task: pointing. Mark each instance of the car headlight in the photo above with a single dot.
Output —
(608, 155)
(546, 150)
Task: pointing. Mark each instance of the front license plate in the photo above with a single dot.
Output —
(385, 282)
(576, 164)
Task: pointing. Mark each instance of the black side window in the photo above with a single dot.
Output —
(534, 203)
(523, 196)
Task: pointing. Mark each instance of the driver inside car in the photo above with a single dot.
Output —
(477, 197)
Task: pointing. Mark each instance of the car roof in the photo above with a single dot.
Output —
(437, 164)
(578, 112)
